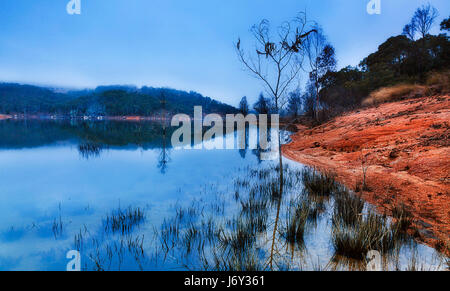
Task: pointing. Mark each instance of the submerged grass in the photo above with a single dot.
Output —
(298, 215)
(237, 234)
(368, 232)
(58, 226)
(124, 220)
(403, 217)
(347, 208)
(317, 184)
(355, 233)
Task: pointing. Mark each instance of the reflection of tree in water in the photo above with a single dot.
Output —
(243, 152)
(256, 228)
(164, 155)
(259, 151)
(117, 134)
(90, 150)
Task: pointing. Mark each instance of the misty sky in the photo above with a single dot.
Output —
(183, 44)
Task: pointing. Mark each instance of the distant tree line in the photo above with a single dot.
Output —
(104, 101)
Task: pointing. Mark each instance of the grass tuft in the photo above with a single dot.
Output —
(393, 93)
(124, 221)
(348, 208)
(298, 215)
(319, 184)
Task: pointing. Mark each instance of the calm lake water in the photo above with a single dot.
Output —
(119, 194)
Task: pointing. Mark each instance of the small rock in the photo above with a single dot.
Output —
(394, 154)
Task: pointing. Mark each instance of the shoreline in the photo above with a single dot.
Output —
(83, 118)
(403, 146)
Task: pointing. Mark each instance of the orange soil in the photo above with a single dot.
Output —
(404, 146)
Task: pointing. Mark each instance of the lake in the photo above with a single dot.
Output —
(118, 193)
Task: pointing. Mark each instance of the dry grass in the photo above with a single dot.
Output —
(436, 83)
(439, 82)
(388, 94)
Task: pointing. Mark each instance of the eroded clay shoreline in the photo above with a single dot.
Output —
(403, 147)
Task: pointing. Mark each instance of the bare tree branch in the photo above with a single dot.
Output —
(279, 55)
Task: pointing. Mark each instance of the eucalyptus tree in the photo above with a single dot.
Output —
(321, 57)
(424, 18)
(421, 23)
(262, 106)
(244, 108)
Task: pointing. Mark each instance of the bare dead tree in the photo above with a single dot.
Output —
(277, 61)
(424, 18)
(278, 56)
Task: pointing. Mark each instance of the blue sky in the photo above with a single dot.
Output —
(183, 44)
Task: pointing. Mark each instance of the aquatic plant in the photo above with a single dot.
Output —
(58, 227)
(347, 208)
(318, 184)
(297, 218)
(403, 217)
(89, 150)
(124, 221)
(237, 232)
(369, 232)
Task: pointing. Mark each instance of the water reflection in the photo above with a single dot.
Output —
(89, 150)
(132, 202)
(223, 232)
(164, 155)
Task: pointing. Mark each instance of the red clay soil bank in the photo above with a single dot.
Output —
(405, 147)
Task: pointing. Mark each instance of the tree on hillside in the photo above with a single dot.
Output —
(308, 100)
(445, 24)
(424, 19)
(322, 59)
(410, 30)
(294, 103)
(390, 61)
(327, 64)
(327, 60)
(343, 89)
(243, 106)
(397, 60)
(262, 106)
(422, 22)
(406, 58)
(314, 46)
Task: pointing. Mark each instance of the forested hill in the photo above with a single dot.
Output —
(104, 101)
